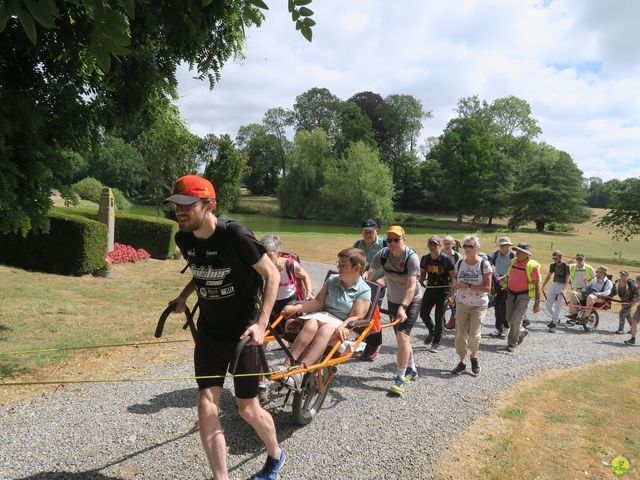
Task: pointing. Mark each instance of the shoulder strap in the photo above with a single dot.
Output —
(458, 264)
(384, 255)
(494, 256)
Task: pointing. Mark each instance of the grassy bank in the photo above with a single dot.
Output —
(560, 424)
(45, 311)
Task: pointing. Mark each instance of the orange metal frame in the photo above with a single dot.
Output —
(329, 359)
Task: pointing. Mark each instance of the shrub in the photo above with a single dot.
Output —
(121, 201)
(155, 235)
(558, 227)
(74, 245)
(88, 189)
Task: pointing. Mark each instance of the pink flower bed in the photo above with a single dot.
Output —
(126, 253)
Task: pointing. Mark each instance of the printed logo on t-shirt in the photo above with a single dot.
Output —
(211, 253)
(209, 273)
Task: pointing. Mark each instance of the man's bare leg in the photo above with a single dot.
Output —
(262, 422)
(211, 433)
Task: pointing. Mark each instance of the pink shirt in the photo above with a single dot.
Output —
(518, 281)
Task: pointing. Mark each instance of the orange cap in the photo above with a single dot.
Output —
(189, 189)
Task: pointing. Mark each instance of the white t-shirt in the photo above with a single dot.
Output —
(472, 275)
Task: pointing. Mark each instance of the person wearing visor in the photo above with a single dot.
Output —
(230, 270)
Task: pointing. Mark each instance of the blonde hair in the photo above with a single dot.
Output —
(472, 237)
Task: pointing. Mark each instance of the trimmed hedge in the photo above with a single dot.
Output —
(74, 245)
(154, 234)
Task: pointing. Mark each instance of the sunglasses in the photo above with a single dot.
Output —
(393, 240)
(468, 246)
(187, 208)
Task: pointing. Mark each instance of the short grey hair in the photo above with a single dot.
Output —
(472, 237)
(449, 238)
(271, 243)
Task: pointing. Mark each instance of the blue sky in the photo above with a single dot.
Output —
(577, 62)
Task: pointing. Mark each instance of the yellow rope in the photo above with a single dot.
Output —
(89, 347)
(124, 380)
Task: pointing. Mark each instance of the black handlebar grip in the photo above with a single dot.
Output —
(241, 344)
(165, 314)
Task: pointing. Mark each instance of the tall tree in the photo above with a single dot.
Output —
(118, 165)
(276, 121)
(59, 81)
(168, 150)
(623, 220)
(353, 126)
(548, 189)
(225, 174)
(310, 160)
(402, 117)
(464, 154)
(357, 186)
(317, 108)
(368, 103)
(263, 158)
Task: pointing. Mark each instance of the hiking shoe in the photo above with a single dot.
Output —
(428, 339)
(551, 325)
(526, 323)
(509, 348)
(434, 348)
(410, 375)
(631, 341)
(495, 334)
(370, 353)
(571, 322)
(523, 333)
(502, 334)
(620, 332)
(271, 468)
(451, 324)
(461, 367)
(572, 316)
(475, 367)
(552, 329)
(293, 381)
(398, 386)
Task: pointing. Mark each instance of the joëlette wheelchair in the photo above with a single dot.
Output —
(312, 391)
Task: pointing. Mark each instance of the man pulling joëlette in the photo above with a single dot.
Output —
(227, 263)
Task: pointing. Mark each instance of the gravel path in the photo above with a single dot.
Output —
(149, 431)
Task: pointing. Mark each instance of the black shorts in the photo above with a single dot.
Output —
(213, 357)
(412, 311)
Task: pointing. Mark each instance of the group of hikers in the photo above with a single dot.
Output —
(241, 283)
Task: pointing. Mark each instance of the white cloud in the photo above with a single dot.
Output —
(574, 61)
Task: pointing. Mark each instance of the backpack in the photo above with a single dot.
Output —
(384, 256)
(495, 278)
(289, 266)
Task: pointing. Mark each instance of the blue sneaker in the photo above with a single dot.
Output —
(398, 386)
(271, 468)
(410, 375)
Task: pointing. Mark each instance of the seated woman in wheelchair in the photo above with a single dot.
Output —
(344, 297)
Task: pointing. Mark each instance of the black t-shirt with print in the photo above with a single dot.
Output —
(438, 269)
(226, 283)
(561, 271)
